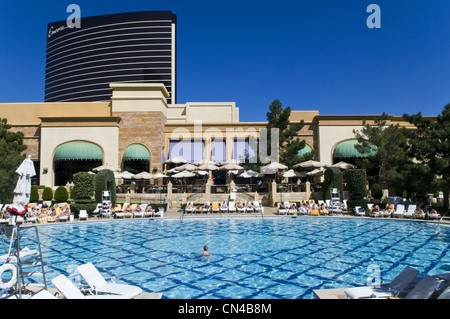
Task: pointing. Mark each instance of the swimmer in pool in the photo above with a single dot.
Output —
(205, 251)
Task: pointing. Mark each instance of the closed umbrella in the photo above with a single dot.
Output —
(22, 190)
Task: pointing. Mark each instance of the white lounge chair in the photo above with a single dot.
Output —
(70, 291)
(445, 294)
(83, 215)
(241, 209)
(223, 208)
(256, 206)
(399, 211)
(359, 211)
(43, 294)
(410, 212)
(208, 209)
(189, 210)
(281, 210)
(99, 285)
(160, 212)
(232, 207)
(141, 213)
(399, 285)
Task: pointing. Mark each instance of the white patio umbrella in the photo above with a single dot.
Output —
(310, 164)
(159, 175)
(173, 171)
(187, 167)
(183, 174)
(316, 172)
(275, 166)
(176, 160)
(125, 175)
(23, 188)
(106, 166)
(291, 173)
(208, 167)
(200, 172)
(144, 175)
(344, 165)
(231, 167)
(205, 162)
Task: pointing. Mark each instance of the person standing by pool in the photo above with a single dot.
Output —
(166, 202)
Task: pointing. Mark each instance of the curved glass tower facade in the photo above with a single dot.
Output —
(126, 47)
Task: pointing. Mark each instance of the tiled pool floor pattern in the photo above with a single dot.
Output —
(252, 258)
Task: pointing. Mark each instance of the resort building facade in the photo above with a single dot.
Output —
(138, 130)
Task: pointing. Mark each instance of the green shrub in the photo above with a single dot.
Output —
(376, 191)
(333, 179)
(34, 195)
(105, 181)
(83, 204)
(356, 183)
(61, 194)
(47, 194)
(84, 185)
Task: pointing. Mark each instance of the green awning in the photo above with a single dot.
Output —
(306, 150)
(78, 150)
(347, 149)
(136, 152)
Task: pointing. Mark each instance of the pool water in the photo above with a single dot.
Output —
(282, 258)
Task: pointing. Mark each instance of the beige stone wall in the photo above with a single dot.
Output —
(146, 128)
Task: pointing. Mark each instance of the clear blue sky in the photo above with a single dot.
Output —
(311, 55)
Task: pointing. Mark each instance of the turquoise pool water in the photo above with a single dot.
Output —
(251, 258)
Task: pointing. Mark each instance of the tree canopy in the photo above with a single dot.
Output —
(11, 147)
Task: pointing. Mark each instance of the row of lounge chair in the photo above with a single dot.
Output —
(38, 213)
(399, 211)
(96, 287)
(310, 207)
(134, 211)
(224, 207)
(407, 285)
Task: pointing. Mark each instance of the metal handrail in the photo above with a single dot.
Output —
(439, 224)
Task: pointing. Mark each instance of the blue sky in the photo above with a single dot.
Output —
(311, 55)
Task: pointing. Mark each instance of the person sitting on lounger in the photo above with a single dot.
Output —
(323, 209)
(138, 209)
(239, 205)
(223, 205)
(314, 210)
(206, 206)
(248, 205)
(189, 205)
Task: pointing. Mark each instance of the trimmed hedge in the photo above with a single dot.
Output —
(376, 191)
(105, 181)
(356, 186)
(34, 195)
(84, 185)
(83, 204)
(333, 179)
(47, 194)
(61, 194)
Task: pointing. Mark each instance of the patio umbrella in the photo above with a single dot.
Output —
(125, 175)
(187, 167)
(106, 166)
(23, 188)
(183, 174)
(159, 175)
(310, 164)
(202, 172)
(231, 167)
(144, 175)
(230, 161)
(344, 165)
(275, 166)
(173, 171)
(208, 167)
(205, 162)
(316, 172)
(291, 173)
(176, 160)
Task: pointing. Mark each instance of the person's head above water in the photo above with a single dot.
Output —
(205, 248)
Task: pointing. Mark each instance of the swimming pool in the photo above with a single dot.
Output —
(251, 258)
